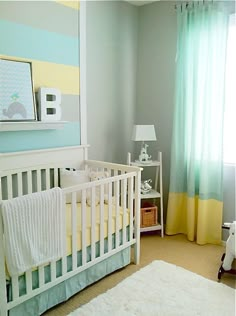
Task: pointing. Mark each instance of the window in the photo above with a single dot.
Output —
(230, 95)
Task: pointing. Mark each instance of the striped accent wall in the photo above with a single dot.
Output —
(45, 33)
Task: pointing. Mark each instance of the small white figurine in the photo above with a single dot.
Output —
(145, 186)
(143, 154)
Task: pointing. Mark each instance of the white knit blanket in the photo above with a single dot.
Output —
(33, 230)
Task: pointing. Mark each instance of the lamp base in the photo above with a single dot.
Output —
(144, 157)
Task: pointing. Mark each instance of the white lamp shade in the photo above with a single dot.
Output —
(144, 133)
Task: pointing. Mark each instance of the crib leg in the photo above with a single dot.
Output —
(137, 252)
(3, 304)
(3, 311)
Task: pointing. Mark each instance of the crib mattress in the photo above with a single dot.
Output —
(88, 224)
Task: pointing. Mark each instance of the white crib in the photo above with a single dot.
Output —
(99, 245)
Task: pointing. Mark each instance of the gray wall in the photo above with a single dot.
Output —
(156, 77)
(112, 39)
(130, 79)
(229, 212)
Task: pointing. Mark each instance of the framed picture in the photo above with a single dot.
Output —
(17, 102)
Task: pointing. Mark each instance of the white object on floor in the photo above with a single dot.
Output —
(230, 253)
(33, 226)
(163, 289)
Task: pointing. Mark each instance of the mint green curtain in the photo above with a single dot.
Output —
(197, 143)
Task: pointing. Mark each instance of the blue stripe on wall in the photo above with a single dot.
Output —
(25, 140)
(28, 42)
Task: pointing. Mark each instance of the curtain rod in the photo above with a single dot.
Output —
(186, 3)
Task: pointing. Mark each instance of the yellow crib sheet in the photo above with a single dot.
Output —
(88, 224)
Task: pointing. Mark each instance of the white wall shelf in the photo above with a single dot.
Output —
(27, 126)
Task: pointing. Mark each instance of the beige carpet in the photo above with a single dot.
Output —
(204, 260)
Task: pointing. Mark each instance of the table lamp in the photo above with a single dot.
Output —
(144, 133)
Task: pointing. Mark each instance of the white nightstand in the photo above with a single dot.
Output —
(155, 193)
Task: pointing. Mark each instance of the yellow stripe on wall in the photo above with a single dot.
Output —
(72, 4)
(65, 78)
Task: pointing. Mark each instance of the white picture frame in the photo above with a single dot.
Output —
(17, 101)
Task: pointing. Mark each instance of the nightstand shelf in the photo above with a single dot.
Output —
(155, 193)
(151, 228)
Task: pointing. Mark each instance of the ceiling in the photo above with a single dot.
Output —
(137, 2)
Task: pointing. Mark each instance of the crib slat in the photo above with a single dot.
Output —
(55, 176)
(47, 179)
(28, 277)
(64, 265)
(123, 190)
(131, 206)
(3, 288)
(117, 210)
(101, 208)
(19, 184)
(93, 223)
(74, 232)
(39, 180)
(137, 219)
(15, 287)
(9, 187)
(53, 270)
(83, 220)
(64, 258)
(0, 188)
(29, 182)
(109, 216)
(41, 276)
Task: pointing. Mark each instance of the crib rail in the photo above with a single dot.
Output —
(121, 231)
(22, 182)
(112, 168)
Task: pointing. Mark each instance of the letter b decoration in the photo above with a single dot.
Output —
(49, 100)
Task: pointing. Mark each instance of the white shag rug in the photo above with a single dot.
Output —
(163, 289)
